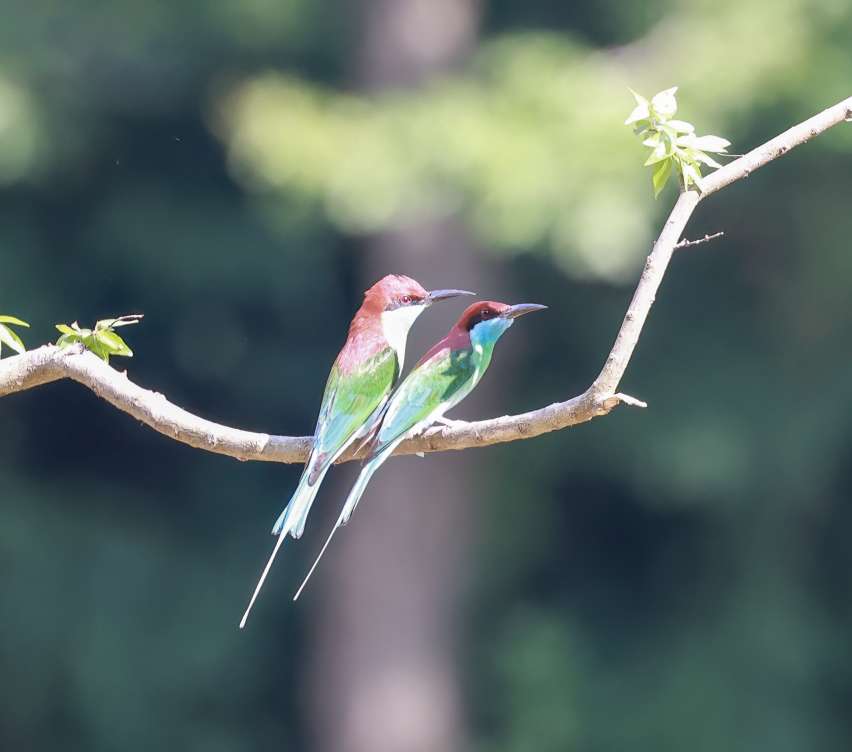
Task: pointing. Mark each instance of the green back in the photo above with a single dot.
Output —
(436, 385)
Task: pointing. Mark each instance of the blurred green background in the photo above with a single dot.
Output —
(670, 579)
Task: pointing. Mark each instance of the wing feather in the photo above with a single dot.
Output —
(348, 402)
(427, 392)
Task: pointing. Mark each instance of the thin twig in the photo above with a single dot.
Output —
(707, 238)
(48, 363)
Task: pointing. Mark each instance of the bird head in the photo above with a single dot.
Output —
(396, 291)
(399, 300)
(486, 320)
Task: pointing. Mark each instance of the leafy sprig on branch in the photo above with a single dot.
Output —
(8, 337)
(673, 143)
(102, 340)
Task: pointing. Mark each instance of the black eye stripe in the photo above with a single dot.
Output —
(484, 315)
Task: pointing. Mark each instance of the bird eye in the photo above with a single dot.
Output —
(406, 299)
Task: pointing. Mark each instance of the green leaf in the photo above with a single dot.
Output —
(681, 126)
(663, 151)
(661, 175)
(99, 349)
(704, 158)
(664, 104)
(10, 339)
(711, 143)
(691, 174)
(668, 132)
(639, 113)
(638, 97)
(673, 144)
(114, 344)
(68, 339)
(101, 340)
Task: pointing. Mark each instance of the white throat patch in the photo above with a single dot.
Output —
(395, 325)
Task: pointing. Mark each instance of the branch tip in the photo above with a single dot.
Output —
(628, 400)
(707, 238)
(607, 404)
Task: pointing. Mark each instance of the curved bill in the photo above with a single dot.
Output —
(437, 295)
(512, 312)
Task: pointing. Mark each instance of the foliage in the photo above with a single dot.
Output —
(673, 143)
(9, 337)
(525, 144)
(102, 340)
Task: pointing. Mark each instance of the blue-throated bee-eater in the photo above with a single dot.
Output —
(444, 377)
(356, 391)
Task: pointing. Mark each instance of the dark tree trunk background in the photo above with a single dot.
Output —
(383, 675)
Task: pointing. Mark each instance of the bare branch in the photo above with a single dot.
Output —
(698, 241)
(48, 363)
(776, 147)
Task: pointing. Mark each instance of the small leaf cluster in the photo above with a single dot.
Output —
(102, 340)
(8, 336)
(673, 143)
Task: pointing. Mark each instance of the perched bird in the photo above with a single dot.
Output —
(357, 388)
(445, 375)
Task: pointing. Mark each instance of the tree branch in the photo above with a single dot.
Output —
(698, 241)
(48, 363)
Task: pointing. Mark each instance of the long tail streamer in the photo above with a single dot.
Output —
(351, 502)
(265, 572)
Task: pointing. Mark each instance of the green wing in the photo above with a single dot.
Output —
(446, 377)
(349, 400)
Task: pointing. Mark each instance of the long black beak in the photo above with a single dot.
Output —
(437, 295)
(512, 312)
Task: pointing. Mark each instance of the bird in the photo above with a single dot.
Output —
(357, 389)
(443, 377)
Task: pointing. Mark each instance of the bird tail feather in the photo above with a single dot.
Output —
(351, 502)
(292, 520)
(260, 582)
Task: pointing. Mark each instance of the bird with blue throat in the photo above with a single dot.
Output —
(357, 389)
(445, 375)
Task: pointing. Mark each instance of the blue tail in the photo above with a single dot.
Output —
(358, 489)
(292, 520)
